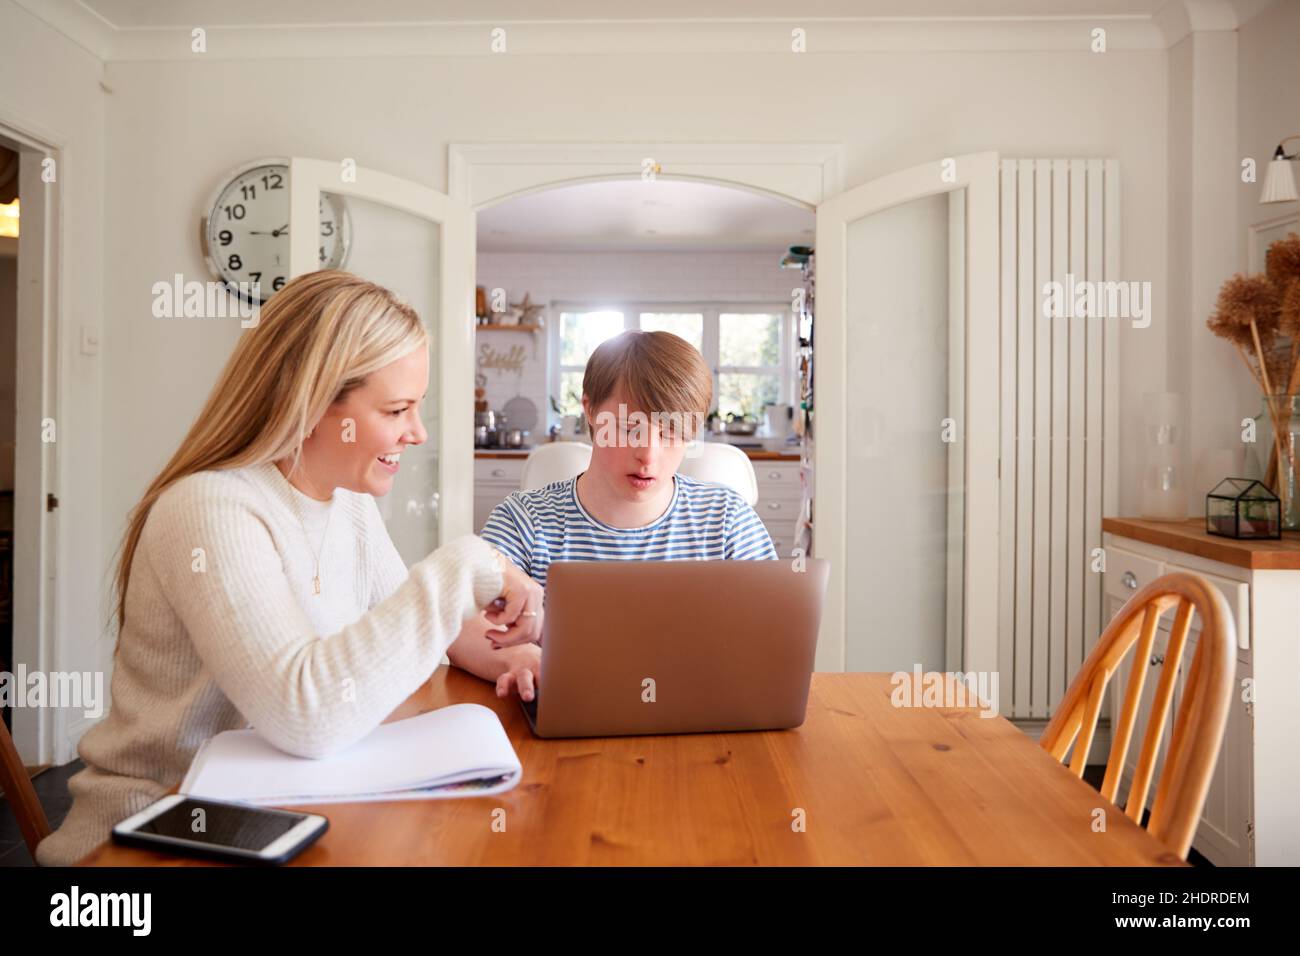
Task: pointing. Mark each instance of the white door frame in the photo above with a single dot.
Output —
(808, 175)
(978, 174)
(38, 732)
(484, 174)
(455, 326)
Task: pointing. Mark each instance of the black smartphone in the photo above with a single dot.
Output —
(234, 832)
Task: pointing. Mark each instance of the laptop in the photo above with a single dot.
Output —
(677, 647)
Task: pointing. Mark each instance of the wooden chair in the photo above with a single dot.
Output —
(1198, 725)
(20, 793)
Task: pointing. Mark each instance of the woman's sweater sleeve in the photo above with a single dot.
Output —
(387, 568)
(308, 694)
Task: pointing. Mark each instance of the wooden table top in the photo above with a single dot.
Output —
(878, 786)
(1190, 537)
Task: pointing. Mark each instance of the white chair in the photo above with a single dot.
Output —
(711, 461)
(722, 464)
(554, 462)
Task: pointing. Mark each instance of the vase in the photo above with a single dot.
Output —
(1285, 484)
(1164, 479)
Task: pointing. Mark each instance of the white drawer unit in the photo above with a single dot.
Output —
(494, 480)
(777, 479)
(1127, 572)
(1250, 814)
(1236, 593)
(780, 495)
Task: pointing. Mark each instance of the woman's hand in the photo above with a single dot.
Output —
(524, 671)
(518, 610)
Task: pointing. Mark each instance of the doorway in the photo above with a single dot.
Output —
(28, 429)
(952, 554)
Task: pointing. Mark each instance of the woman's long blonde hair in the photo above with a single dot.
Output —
(316, 340)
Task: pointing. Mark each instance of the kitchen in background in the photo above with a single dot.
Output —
(561, 270)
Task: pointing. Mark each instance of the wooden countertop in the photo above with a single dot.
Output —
(1190, 537)
(878, 785)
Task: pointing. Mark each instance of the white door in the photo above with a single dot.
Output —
(906, 430)
(419, 243)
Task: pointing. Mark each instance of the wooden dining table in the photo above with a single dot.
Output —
(861, 783)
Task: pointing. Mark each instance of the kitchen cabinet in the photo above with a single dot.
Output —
(1154, 664)
(780, 495)
(494, 480)
(1250, 814)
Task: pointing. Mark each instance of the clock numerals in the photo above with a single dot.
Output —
(249, 233)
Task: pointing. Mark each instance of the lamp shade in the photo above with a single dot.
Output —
(1279, 181)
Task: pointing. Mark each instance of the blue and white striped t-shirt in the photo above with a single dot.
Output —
(704, 521)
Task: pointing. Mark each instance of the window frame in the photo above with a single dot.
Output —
(710, 310)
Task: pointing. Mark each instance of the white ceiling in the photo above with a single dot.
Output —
(632, 215)
(146, 14)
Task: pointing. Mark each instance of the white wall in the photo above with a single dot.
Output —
(1268, 109)
(49, 88)
(175, 127)
(590, 277)
(1203, 195)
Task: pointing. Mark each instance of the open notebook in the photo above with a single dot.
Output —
(456, 751)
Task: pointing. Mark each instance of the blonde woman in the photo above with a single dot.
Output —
(257, 584)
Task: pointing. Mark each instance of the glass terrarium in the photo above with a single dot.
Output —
(1243, 508)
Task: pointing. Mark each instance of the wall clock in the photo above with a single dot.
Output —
(244, 232)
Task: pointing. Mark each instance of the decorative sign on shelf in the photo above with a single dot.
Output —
(512, 360)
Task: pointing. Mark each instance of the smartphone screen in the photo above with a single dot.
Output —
(221, 824)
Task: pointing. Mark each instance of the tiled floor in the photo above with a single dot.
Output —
(52, 790)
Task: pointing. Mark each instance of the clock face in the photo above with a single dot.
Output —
(248, 230)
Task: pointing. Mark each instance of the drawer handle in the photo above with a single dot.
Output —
(501, 473)
(1157, 660)
(1130, 580)
(774, 475)
(774, 506)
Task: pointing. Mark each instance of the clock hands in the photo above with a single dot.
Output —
(282, 231)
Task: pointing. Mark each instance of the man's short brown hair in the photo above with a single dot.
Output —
(658, 372)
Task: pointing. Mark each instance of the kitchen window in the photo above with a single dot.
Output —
(749, 347)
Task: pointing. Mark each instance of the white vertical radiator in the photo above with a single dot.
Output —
(1059, 432)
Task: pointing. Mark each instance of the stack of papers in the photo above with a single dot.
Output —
(457, 751)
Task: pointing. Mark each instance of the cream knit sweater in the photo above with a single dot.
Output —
(223, 630)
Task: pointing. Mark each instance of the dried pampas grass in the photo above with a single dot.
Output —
(1248, 308)
(1282, 262)
(1254, 313)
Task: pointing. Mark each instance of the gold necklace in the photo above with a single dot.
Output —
(316, 553)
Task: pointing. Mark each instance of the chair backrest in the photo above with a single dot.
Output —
(723, 464)
(554, 462)
(708, 461)
(1202, 713)
(20, 793)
